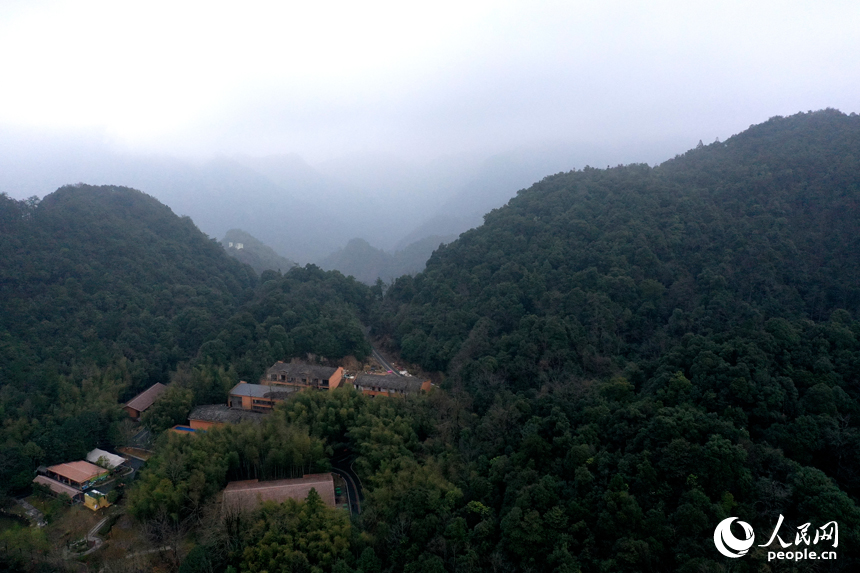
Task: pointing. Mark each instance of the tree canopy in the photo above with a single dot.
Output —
(104, 292)
(629, 356)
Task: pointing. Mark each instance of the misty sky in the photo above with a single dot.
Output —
(419, 80)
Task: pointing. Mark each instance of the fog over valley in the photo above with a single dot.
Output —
(303, 212)
(309, 127)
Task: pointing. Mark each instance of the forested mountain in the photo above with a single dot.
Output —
(766, 222)
(303, 312)
(93, 274)
(630, 356)
(496, 179)
(254, 253)
(303, 212)
(104, 291)
(369, 264)
(654, 349)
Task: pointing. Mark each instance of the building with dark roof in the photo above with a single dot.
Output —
(244, 495)
(303, 376)
(144, 400)
(257, 397)
(209, 415)
(389, 385)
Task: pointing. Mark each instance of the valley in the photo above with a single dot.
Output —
(612, 363)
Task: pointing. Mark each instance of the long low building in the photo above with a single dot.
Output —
(59, 488)
(303, 376)
(389, 385)
(243, 495)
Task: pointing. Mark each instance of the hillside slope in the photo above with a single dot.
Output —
(766, 224)
(254, 253)
(369, 264)
(90, 274)
(104, 291)
(653, 350)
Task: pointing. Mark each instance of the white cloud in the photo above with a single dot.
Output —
(327, 77)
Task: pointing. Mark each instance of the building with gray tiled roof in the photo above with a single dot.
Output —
(389, 384)
(303, 376)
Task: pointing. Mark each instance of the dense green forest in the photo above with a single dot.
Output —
(682, 342)
(94, 274)
(306, 311)
(104, 291)
(630, 355)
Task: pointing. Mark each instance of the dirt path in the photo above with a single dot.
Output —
(149, 551)
(91, 536)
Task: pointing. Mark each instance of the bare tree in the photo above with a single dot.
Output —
(167, 534)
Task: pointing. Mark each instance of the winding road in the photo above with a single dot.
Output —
(384, 362)
(342, 465)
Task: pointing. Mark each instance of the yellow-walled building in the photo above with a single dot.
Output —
(95, 500)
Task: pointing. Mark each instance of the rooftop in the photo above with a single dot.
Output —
(221, 414)
(261, 391)
(301, 370)
(56, 486)
(80, 471)
(110, 460)
(387, 382)
(146, 398)
(247, 494)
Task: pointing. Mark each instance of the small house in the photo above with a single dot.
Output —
(95, 500)
(258, 397)
(136, 406)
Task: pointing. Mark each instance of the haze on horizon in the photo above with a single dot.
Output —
(420, 80)
(404, 104)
